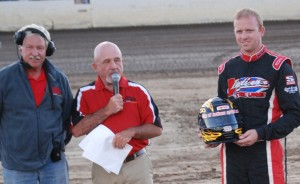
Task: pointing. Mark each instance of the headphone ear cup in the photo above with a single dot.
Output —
(19, 37)
(50, 49)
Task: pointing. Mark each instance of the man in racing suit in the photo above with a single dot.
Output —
(264, 88)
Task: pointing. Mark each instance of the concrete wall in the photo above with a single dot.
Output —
(65, 14)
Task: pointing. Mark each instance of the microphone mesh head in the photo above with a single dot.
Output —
(115, 77)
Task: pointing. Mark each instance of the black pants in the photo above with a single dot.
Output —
(261, 163)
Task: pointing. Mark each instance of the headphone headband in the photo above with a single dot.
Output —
(20, 35)
(36, 31)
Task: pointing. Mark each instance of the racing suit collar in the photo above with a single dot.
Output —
(255, 56)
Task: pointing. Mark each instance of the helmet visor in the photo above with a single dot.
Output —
(219, 119)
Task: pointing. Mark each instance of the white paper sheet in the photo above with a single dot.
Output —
(97, 147)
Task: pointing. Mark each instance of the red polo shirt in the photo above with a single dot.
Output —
(38, 87)
(138, 107)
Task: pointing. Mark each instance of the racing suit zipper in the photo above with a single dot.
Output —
(249, 69)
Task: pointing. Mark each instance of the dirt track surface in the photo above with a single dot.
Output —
(177, 64)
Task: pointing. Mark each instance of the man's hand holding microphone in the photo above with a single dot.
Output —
(115, 103)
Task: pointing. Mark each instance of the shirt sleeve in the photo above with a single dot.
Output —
(148, 109)
(222, 86)
(287, 93)
(78, 108)
(67, 102)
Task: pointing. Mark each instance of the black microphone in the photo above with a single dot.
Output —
(115, 78)
(26, 65)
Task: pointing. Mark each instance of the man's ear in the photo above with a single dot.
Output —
(94, 66)
(262, 30)
(20, 49)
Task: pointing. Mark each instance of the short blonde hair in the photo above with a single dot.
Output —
(248, 12)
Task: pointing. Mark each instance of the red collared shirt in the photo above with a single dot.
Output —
(38, 87)
(138, 109)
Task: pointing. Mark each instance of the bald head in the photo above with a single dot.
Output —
(107, 60)
(105, 47)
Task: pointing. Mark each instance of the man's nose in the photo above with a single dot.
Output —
(113, 65)
(244, 34)
(35, 51)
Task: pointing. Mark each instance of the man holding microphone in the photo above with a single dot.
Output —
(126, 109)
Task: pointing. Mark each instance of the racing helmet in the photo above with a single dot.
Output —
(219, 121)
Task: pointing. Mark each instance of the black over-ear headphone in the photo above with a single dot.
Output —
(20, 35)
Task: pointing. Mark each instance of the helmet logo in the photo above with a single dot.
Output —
(208, 104)
(221, 113)
(202, 110)
(223, 107)
(227, 128)
(210, 136)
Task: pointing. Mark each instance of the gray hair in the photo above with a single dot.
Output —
(42, 29)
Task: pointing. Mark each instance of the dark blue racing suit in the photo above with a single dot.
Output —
(264, 88)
